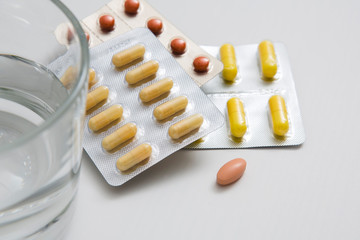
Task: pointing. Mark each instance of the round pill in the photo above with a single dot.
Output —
(70, 35)
(131, 6)
(201, 64)
(231, 171)
(87, 36)
(107, 23)
(178, 46)
(155, 25)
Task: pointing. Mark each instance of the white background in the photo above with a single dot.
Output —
(307, 192)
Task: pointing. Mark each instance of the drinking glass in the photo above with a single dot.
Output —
(44, 62)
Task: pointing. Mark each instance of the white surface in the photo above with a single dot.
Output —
(307, 192)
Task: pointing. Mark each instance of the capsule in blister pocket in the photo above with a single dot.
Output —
(156, 89)
(236, 114)
(143, 71)
(128, 55)
(279, 115)
(135, 156)
(185, 126)
(104, 118)
(268, 62)
(123, 134)
(171, 107)
(98, 95)
(228, 58)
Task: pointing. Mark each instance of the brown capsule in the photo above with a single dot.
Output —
(107, 23)
(155, 25)
(131, 6)
(201, 64)
(178, 46)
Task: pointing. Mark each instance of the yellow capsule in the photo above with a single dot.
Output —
(68, 77)
(155, 90)
(228, 58)
(268, 61)
(171, 107)
(120, 136)
(185, 126)
(279, 116)
(127, 56)
(99, 94)
(130, 159)
(236, 113)
(145, 70)
(105, 117)
(92, 77)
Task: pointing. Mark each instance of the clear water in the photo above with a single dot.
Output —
(29, 94)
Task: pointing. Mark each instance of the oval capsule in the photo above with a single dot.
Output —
(268, 61)
(128, 55)
(143, 71)
(99, 94)
(135, 156)
(92, 78)
(231, 171)
(185, 126)
(228, 58)
(156, 89)
(171, 107)
(68, 77)
(120, 136)
(236, 114)
(105, 117)
(279, 116)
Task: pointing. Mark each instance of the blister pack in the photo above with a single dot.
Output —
(120, 16)
(256, 93)
(142, 108)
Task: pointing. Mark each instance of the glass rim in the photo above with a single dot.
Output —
(84, 66)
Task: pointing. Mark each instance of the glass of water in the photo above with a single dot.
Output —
(44, 62)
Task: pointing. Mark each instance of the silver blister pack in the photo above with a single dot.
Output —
(254, 92)
(149, 130)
